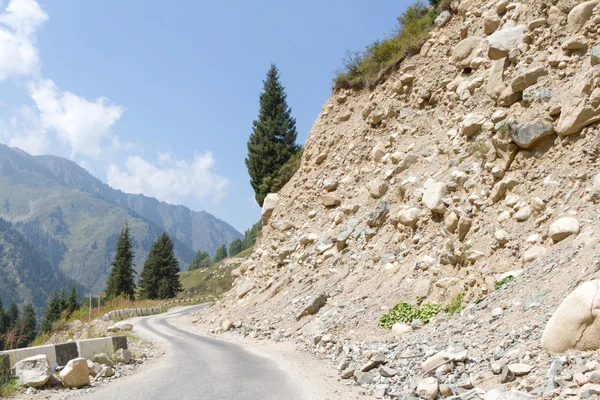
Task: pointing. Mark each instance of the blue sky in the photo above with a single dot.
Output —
(158, 97)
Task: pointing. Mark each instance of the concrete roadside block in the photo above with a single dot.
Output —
(119, 342)
(65, 352)
(21, 354)
(87, 348)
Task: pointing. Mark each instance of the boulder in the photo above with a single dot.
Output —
(268, 207)
(244, 287)
(428, 388)
(575, 323)
(400, 329)
(563, 228)
(120, 326)
(33, 371)
(76, 373)
(579, 15)
(330, 185)
(503, 41)
(103, 359)
(377, 189)
(595, 55)
(433, 193)
(313, 305)
(575, 43)
(467, 50)
(527, 78)
(409, 216)
(442, 19)
(330, 201)
(379, 216)
(491, 22)
(528, 133)
(580, 103)
(95, 369)
(123, 356)
(472, 123)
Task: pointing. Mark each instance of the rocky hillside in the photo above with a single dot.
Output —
(73, 220)
(465, 182)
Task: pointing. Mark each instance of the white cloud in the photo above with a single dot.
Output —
(19, 23)
(23, 130)
(79, 123)
(172, 181)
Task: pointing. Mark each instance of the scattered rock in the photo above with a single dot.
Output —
(33, 371)
(76, 373)
(563, 228)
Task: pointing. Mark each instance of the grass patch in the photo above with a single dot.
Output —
(407, 313)
(10, 388)
(498, 285)
(209, 282)
(367, 67)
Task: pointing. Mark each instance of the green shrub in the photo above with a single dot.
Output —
(362, 67)
(455, 306)
(503, 282)
(405, 312)
(287, 171)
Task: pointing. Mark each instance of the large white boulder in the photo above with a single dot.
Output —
(503, 41)
(33, 371)
(433, 193)
(580, 103)
(409, 216)
(76, 373)
(120, 326)
(579, 15)
(268, 207)
(574, 324)
(563, 228)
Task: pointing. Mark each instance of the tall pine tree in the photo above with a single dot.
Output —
(220, 253)
(160, 279)
(235, 247)
(73, 300)
(28, 326)
(273, 139)
(51, 313)
(201, 260)
(121, 281)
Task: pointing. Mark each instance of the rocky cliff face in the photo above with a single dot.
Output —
(474, 161)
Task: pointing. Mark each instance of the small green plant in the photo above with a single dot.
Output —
(480, 149)
(9, 389)
(401, 192)
(406, 312)
(505, 128)
(455, 305)
(421, 299)
(479, 299)
(503, 282)
(462, 258)
(360, 67)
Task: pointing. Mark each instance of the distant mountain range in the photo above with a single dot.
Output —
(73, 220)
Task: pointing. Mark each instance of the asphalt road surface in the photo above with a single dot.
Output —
(198, 367)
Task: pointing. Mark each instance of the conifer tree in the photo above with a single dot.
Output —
(72, 301)
(28, 327)
(121, 279)
(51, 313)
(235, 247)
(273, 139)
(221, 253)
(63, 299)
(13, 315)
(201, 260)
(160, 279)
(3, 321)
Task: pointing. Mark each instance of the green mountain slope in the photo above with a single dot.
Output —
(68, 216)
(198, 230)
(25, 276)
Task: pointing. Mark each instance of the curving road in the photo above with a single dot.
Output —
(198, 367)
